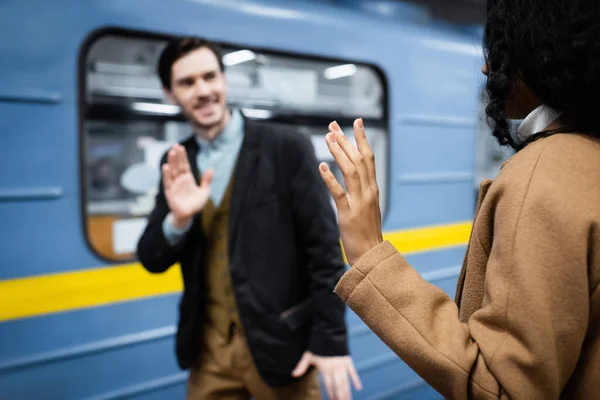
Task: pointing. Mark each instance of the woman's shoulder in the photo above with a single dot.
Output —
(562, 169)
(566, 152)
(568, 148)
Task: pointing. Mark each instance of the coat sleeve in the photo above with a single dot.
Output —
(154, 251)
(524, 342)
(317, 229)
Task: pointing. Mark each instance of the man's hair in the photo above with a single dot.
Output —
(553, 46)
(179, 47)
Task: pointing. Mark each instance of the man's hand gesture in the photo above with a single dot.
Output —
(184, 196)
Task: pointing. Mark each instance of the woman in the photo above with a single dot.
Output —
(526, 320)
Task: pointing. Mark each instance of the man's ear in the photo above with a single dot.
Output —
(169, 95)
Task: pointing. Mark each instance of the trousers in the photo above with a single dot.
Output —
(226, 371)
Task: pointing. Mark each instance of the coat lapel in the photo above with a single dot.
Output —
(243, 177)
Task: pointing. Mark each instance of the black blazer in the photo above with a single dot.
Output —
(284, 249)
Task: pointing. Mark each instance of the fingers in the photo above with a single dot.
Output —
(352, 153)
(207, 178)
(172, 162)
(335, 379)
(342, 386)
(183, 165)
(351, 175)
(365, 149)
(302, 366)
(337, 191)
(167, 176)
(354, 376)
(178, 161)
(329, 384)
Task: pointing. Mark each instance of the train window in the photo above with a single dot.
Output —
(128, 123)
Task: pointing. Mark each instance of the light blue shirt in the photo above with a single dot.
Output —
(221, 155)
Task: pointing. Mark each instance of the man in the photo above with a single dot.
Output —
(258, 245)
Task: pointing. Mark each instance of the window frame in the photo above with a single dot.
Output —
(82, 104)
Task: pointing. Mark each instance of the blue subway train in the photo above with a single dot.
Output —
(84, 122)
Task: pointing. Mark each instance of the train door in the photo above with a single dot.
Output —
(127, 122)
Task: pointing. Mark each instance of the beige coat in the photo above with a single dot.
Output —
(526, 318)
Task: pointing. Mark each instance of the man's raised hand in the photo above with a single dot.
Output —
(184, 196)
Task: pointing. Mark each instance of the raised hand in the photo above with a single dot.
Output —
(358, 208)
(184, 196)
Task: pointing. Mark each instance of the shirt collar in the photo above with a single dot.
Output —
(229, 133)
(538, 120)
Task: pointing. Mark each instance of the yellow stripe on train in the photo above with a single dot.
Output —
(66, 291)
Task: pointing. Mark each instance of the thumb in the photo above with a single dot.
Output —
(207, 178)
(303, 365)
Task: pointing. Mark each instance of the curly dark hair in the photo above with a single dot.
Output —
(178, 47)
(553, 46)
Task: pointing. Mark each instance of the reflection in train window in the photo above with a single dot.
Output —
(128, 123)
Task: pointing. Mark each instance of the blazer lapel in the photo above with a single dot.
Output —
(192, 154)
(243, 177)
